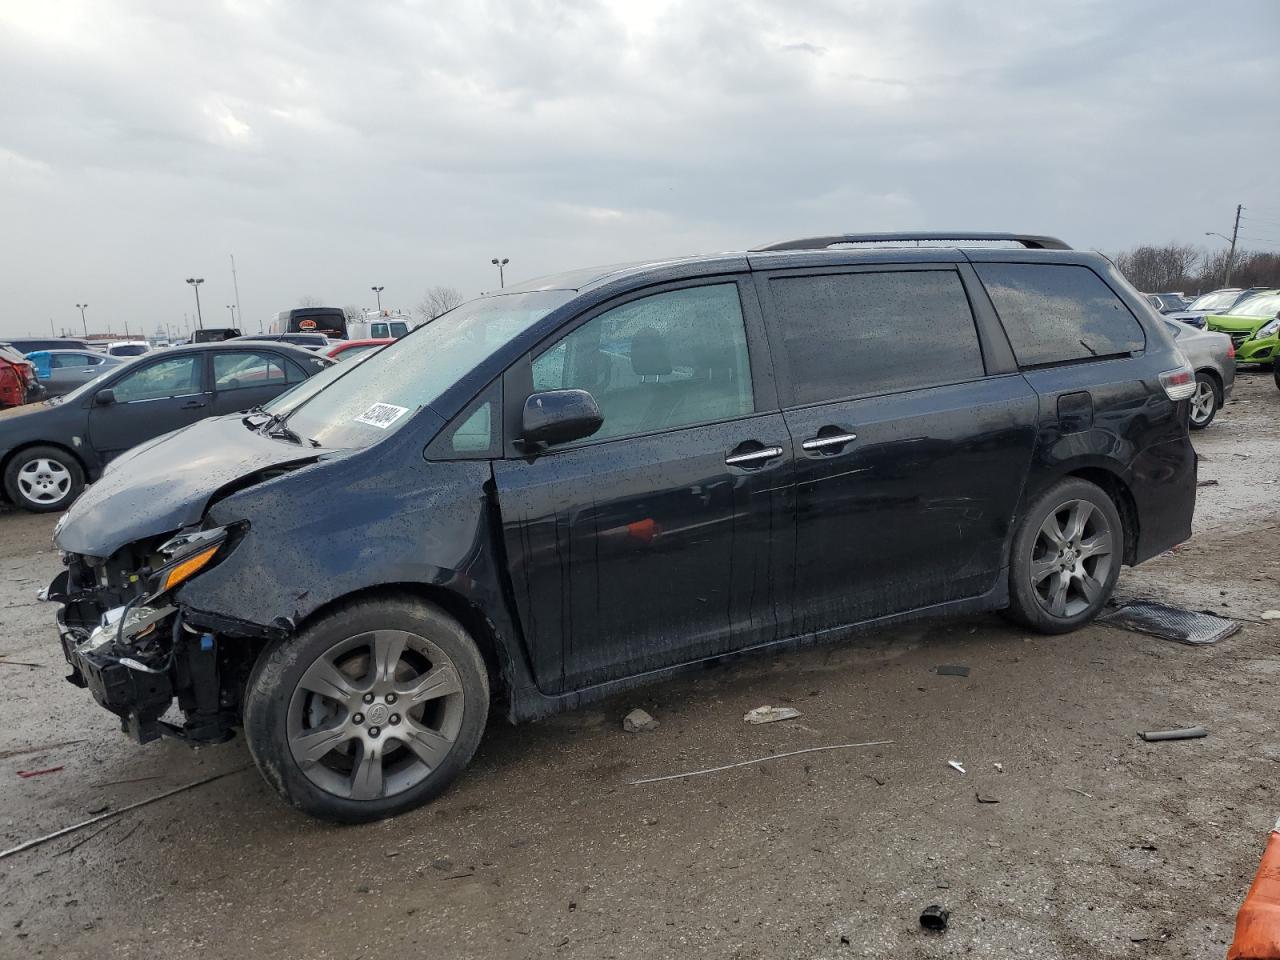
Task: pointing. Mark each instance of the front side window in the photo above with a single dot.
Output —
(235, 371)
(398, 328)
(1059, 313)
(178, 377)
(858, 334)
(668, 360)
(378, 331)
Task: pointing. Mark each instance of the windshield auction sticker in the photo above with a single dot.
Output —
(382, 415)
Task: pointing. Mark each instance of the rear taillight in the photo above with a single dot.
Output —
(1179, 384)
(1231, 350)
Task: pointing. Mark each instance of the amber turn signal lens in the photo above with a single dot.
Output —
(188, 568)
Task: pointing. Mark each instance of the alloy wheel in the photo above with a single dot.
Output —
(1071, 558)
(375, 714)
(1203, 402)
(44, 481)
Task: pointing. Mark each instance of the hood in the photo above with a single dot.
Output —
(1236, 324)
(168, 483)
(1185, 315)
(12, 414)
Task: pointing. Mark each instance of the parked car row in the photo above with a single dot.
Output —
(50, 450)
(759, 439)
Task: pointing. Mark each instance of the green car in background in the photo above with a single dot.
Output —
(1254, 327)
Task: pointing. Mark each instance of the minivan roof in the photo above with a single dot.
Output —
(833, 249)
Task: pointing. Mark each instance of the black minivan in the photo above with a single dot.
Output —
(603, 477)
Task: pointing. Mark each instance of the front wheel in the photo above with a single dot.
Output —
(43, 479)
(1205, 402)
(1066, 557)
(368, 712)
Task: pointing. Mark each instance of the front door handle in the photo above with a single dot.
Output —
(829, 441)
(752, 458)
(193, 405)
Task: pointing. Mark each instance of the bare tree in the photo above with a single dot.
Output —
(310, 301)
(352, 312)
(1158, 269)
(436, 301)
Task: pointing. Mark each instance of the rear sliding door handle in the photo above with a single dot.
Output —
(753, 458)
(829, 443)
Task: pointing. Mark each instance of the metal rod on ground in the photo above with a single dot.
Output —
(745, 763)
(115, 813)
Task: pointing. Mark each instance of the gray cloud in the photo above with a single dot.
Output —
(332, 146)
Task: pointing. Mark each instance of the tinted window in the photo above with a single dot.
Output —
(233, 371)
(399, 329)
(851, 334)
(1057, 312)
(178, 377)
(378, 330)
(129, 350)
(61, 360)
(664, 361)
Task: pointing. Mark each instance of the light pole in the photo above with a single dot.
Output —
(231, 308)
(500, 264)
(83, 322)
(195, 285)
(378, 293)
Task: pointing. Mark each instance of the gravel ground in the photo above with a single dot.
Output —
(1101, 845)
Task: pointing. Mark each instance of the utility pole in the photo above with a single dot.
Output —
(1231, 255)
(236, 286)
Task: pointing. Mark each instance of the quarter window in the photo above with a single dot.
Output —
(1059, 312)
(668, 360)
(235, 371)
(855, 334)
(178, 377)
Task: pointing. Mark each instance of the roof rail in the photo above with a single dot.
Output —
(1030, 241)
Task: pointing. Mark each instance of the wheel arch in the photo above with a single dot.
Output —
(478, 626)
(1110, 479)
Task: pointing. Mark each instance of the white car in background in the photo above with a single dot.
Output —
(128, 348)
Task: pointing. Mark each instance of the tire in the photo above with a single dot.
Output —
(1205, 402)
(336, 754)
(1040, 559)
(43, 479)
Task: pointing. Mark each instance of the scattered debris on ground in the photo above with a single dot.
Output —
(986, 797)
(952, 670)
(1170, 623)
(1187, 733)
(935, 918)
(955, 765)
(768, 714)
(772, 756)
(639, 721)
(28, 774)
(1271, 615)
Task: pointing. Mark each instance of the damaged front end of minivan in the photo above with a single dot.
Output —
(134, 647)
(126, 636)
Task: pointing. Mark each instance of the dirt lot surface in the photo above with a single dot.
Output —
(1101, 845)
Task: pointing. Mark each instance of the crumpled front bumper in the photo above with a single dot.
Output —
(138, 697)
(1257, 351)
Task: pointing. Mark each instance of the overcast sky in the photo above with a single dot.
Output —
(333, 146)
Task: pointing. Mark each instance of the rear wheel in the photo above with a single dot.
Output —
(1066, 557)
(369, 712)
(43, 479)
(1205, 402)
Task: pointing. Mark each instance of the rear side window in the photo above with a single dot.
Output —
(853, 334)
(1058, 312)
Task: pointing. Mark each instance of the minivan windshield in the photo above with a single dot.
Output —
(369, 400)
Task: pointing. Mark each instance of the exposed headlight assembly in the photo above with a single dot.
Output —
(1268, 330)
(188, 554)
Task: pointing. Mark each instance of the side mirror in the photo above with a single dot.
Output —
(558, 416)
(104, 398)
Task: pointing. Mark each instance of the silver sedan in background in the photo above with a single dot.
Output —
(1213, 358)
(61, 371)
